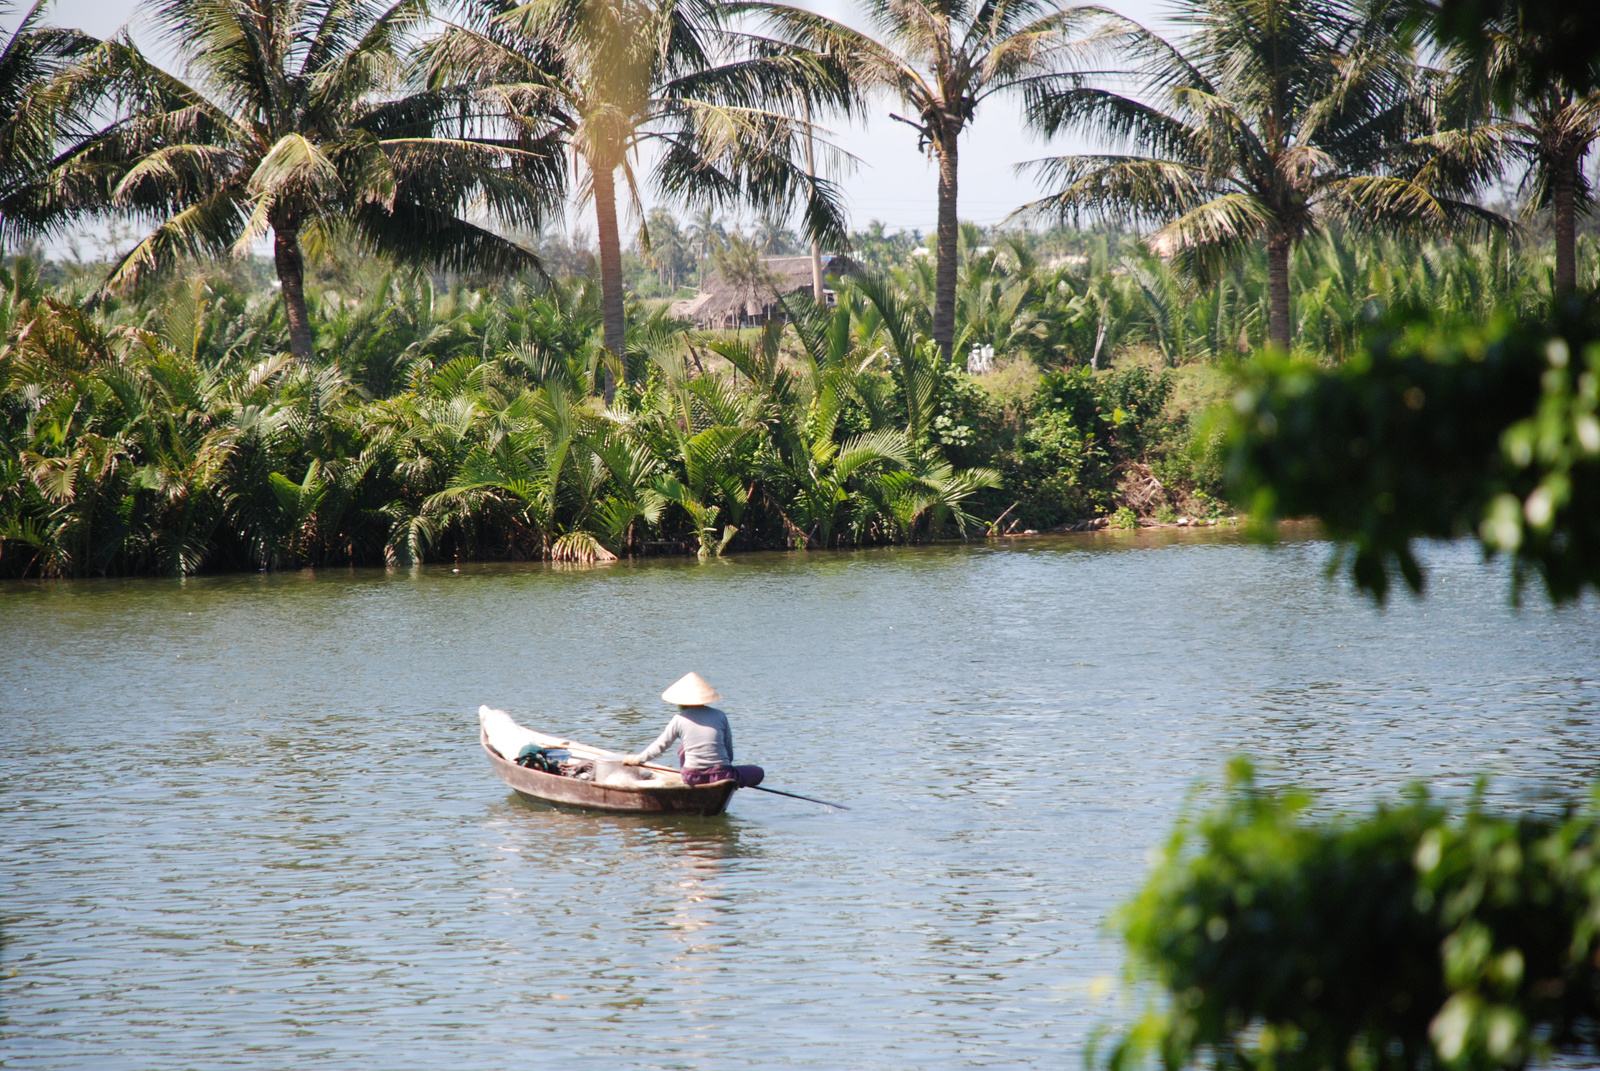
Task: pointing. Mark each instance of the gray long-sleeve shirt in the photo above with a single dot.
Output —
(704, 733)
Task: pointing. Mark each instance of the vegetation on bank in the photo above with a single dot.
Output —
(174, 433)
(171, 432)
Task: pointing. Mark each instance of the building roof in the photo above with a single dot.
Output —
(720, 300)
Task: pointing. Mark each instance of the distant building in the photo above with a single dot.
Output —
(1163, 244)
(723, 305)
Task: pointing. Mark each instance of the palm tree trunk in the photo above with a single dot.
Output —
(1564, 195)
(816, 247)
(610, 239)
(944, 280)
(1278, 247)
(292, 277)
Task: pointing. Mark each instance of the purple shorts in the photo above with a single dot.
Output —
(747, 776)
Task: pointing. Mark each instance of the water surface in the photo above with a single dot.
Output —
(246, 823)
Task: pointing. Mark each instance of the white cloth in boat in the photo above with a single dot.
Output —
(703, 732)
(505, 735)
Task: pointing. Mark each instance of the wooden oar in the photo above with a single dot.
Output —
(797, 796)
(572, 745)
(758, 788)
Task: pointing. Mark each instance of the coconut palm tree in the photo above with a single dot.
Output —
(615, 78)
(941, 58)
(286, 119)
(33, 117)
(1272, 118)
(1549, 130)
(669, 251)
(708, 233)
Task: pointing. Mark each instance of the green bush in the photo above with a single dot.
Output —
(1436, 428)
(1080, 428)
(1410, 938)
(1057, 473)
(967, 424)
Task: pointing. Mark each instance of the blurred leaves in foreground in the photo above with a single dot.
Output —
(1439, 427)
(1407, 938)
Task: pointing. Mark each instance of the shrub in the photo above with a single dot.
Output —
(1408, 939)
(967, 422)
(1080, 428)
(1058, 473)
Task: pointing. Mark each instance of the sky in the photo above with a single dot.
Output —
(891, 182)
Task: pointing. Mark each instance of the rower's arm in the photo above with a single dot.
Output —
(664, 741)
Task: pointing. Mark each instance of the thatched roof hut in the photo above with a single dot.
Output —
(722, 304)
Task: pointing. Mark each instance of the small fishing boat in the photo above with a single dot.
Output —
(609, 786)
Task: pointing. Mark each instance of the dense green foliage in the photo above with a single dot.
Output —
(161, 428)
(1414, 937)
(298, 120)
(378, 449)
(179, 435)
(35, 120)
(942, 59)
(1437, 428)
(617, 82)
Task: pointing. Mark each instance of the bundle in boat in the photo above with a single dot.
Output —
(609, 786)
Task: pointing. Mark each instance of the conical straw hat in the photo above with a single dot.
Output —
(691, 690)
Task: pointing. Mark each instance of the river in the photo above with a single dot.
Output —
(246, 822)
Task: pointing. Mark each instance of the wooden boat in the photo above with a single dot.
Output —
(663, 793)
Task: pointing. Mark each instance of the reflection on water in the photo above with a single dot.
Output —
(247, 821)
(549, 858)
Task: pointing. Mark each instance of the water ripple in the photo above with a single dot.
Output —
(246, 823)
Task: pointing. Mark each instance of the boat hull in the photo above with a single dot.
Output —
(643, 799)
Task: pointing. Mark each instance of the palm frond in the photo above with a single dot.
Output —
(1118, 187)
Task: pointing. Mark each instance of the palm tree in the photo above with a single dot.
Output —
(287, 123)
(33, 118)
(669, 249)
(613, 78)
(703, 429)
(707, 232)
(1274, 117)
(942, 58)
(1550, 130)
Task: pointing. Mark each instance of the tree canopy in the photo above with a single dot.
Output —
(1272, 119)
(610, 80)
(942, 59)
(288, 119)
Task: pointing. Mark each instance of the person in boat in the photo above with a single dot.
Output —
(703, 736)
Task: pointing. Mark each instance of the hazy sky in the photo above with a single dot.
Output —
(892, 182)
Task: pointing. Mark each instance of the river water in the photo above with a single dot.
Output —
(246, 822)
